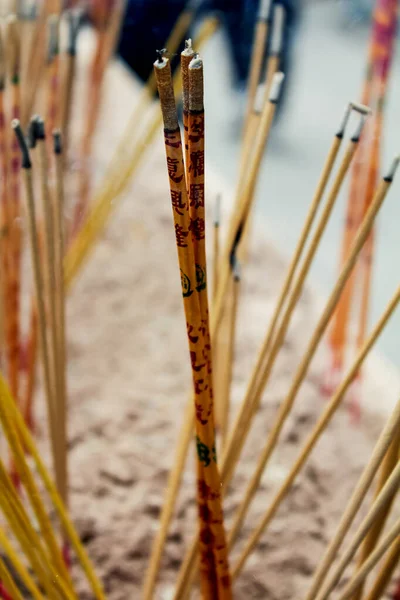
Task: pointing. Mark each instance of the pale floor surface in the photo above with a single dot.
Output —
(328, 68)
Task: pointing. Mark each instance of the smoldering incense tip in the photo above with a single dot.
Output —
(188, 51)
(160, 55)
(26, 160)
(345, 120)
(74, 21)
(196, 62)
(276, 86)
(237, 270)
(53, 37)
(32, 133)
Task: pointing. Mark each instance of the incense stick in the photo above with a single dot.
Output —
(371, 539)
(380, 504)
(29, 444)
(319, 428)
(102, 205)
(260, 39)
(385, 573)
(250, 403)
(287, 404)
(225, 392)
(38, 280)
(13, 46)
(370, 563)
(214, 565)
(69, 76)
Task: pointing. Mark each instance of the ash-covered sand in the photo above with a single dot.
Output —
(128, 384)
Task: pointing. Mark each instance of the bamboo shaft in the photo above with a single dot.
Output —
(385, 573)
(371, 561)
(310, 443)
(355, 502)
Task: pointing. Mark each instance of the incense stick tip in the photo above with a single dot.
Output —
(237, 270)
(217, 211)
(264, 11)
(277, 29)
(360, 108)
(74, 22)
(357, 134)
(392, 170)
(53, 37)
(196, 62)
(188, 51)
(40, 130)
(32, 133)
(57, 141)
(276, 86)
(26, 161)
(161, 61)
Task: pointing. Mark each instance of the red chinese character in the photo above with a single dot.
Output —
(180, 235)
(176, 199)
(198, 228)
(193, 338)
(169, 139)
(203, 489)
(207, 536)
(197, 163)
(173, 165)
(204, 513)
(196, 128)
(195, 366)
(196, 195)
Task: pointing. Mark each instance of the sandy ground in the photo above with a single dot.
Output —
(129, 381)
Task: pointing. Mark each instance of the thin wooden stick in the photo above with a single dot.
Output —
(244, 204)
(385, 573)
(9, 582)
(214, 569)
(173, 485)
(38, 280)
(372, 560)
(260, 39)
(308, 223)
(378, 508)
(229, 355)
(287, 404)
(355, 502)
(13, 46)
(371, 539)
(318, 430)
(53, 74)
(27, 441)
(261, 371)
(69, 76)
(216, 241)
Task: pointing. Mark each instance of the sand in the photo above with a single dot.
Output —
(128, 384)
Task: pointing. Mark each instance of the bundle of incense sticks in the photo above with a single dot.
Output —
(364, 178)
(37, 549)
(37, 70)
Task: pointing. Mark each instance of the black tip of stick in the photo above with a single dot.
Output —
(74, 22)
(39, 128)
(26, 159)
(160, 54)
(32, 133)
(57, 142)
(392, 170)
